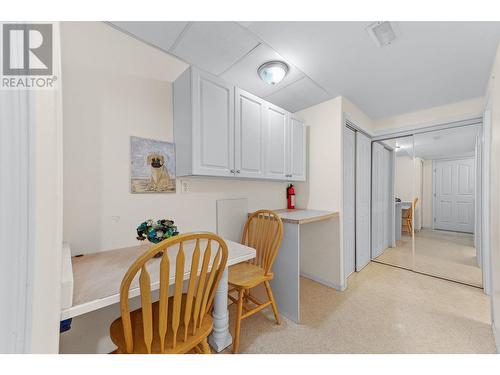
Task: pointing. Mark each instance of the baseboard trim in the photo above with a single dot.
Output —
(340, 288)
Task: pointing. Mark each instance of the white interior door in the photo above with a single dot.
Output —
(454, 195)
(349, 202)
(363, 200)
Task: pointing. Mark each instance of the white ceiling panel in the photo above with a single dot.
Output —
(429, 64)
(214, 46)
(298, 95)
(160, 34)
(244, 72)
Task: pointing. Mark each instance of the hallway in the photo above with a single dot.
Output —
(384, 310)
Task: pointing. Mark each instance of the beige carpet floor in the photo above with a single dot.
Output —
(384, 310)
(444, 254)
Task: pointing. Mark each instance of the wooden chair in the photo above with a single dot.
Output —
(182, 322)
(407, 218)
(264, 232)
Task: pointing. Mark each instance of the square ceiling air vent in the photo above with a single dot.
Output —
(382, 33)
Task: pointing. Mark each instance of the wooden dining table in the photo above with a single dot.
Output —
(97, 278)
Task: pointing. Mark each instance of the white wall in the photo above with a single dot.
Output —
(116, 87)
(431, 116)
(322, 189)
(494, 95)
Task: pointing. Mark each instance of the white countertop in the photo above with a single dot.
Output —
(304, 216)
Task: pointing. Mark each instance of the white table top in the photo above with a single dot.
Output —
(304, 216)
(97, 276)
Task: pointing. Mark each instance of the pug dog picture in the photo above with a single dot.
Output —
(153, 166)
(160, 179)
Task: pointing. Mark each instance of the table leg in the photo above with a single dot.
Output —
(220, 338)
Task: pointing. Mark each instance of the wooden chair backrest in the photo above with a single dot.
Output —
(263, 231)
(200, 289)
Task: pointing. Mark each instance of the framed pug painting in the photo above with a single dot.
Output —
(153, 166)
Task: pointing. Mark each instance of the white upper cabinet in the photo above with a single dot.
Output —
(297, 166)
(213, 125)
(220, 130)
(276, 142)
(203, 125)
(249, 132)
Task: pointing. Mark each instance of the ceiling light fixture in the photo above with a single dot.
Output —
(272, 72)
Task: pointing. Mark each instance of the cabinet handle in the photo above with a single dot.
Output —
(238, 171)
(232, 171)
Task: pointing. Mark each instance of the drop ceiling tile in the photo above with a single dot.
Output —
(215, 46)
(244, 73)
(160, 34)
(299, 95)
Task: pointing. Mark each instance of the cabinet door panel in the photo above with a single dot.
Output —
(249, 135)
(297, 150)
(276, 160)
(213, 131)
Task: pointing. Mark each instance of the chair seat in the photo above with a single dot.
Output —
(247, 275)
(116, 332)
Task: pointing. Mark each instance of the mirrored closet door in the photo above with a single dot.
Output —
(393, 201)
(425, 215)
(447, 167)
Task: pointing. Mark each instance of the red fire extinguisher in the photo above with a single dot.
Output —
(290, 197)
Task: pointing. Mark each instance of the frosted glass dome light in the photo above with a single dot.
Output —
(272, 72)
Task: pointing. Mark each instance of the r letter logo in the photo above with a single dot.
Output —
(27, 49)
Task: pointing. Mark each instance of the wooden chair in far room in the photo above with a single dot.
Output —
(179, 323)
(408, 215)
(264, 232)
